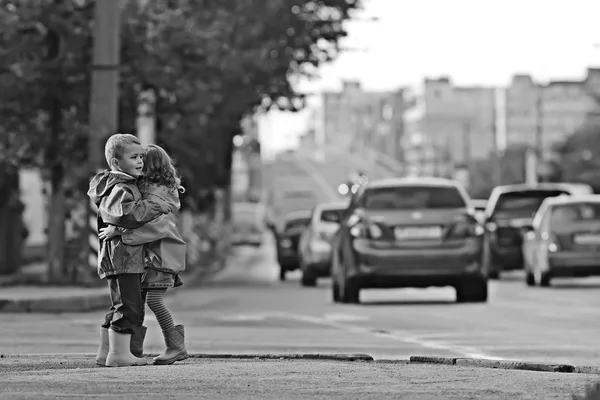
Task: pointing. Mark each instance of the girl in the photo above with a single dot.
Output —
(165, 250)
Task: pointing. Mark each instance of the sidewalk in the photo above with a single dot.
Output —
(27, 293)
(74, 376)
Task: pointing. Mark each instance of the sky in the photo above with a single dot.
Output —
(474, 42)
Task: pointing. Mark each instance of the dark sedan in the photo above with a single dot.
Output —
(288, 240)
(409, 232)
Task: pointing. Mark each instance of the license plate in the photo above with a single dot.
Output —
(429, 232)
(587, 239)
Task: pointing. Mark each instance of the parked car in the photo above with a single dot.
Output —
(563, 240)
(510, 208)
(409, 232)
(287, 241)
(314, 251)
(248, 223)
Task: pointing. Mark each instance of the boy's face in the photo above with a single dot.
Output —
(132, 161)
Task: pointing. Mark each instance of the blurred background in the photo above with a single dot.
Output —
(488, 94)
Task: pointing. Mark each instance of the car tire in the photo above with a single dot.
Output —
(282, 273)
(308, 279)
(335, 292)
(545, 279)
(350, 292)
(472, 291)
(529, 278)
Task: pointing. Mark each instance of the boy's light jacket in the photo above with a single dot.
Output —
(120, 203)
(165, 245)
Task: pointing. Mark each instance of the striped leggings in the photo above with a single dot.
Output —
(155, 298)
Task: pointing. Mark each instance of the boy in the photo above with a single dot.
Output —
(120, 203)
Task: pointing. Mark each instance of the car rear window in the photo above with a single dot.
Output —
(333, 216)
(524, 202)
(413, 197)
(575, 212)
(296, 224)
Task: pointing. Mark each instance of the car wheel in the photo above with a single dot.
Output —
(350, 292)
(472, 291)
(545, 279)
(308, 279)
(335, 292)
(494, 274)
(282, 273)
(529, 278)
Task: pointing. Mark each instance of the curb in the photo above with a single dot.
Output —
(460, 362)
(507, 364)
(56, 305)
(296, 356)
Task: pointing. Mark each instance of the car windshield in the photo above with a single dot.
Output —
(565, 214)
(523, 203)
(413, 197)
(332, 216)
(296, 225)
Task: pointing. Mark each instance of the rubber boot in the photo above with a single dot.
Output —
(102, 348)
(119, 353)
(137, 341)
(175, 341)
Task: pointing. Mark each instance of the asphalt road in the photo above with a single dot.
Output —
(247, 310)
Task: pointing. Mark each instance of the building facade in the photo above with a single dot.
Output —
(543, 115)
(354, 119)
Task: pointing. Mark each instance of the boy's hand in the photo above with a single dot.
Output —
(165, 208)
(108, 233)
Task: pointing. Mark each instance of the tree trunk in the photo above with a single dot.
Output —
(57, 269)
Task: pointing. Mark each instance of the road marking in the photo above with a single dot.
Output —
(404, 337)
(242, 317)
(345, 317)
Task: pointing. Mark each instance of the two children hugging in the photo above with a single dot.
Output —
(141, 250)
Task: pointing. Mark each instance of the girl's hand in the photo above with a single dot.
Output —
(109, 232)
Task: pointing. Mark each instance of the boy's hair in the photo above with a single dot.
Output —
(115, 145)
(159, 168)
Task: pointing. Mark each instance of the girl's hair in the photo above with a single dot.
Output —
(159, 168)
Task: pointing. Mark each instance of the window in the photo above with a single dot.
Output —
(523, 203)
(575, 212)
(413, 197)
(332, 216)
(296, 225)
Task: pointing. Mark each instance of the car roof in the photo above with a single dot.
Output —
(540, 186)
(411, 181)
(566, 199)
(303, 214)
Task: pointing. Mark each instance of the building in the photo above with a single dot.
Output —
(542, 115)
(354, 119)
(457, 123)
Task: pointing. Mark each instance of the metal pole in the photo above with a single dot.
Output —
(539, 131)
(146, 120)
(104, 97)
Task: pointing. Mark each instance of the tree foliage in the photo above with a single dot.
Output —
(210, 63)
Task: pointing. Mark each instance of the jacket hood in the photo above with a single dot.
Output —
(103, 182)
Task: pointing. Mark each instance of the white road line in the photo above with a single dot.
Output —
(404, 337)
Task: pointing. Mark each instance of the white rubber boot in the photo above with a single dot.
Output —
(102, 348)
(119, 353)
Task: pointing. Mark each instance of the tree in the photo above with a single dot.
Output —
(209, 62)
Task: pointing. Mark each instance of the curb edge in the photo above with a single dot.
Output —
(507, 364)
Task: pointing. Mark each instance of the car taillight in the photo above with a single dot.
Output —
(466, 229)
(551, 242)
(369, 230)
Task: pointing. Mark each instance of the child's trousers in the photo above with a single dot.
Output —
(127, 308)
